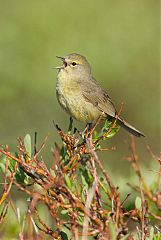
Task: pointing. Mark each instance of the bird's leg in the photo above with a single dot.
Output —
(75, 130)
(70, 124)
(89, 125)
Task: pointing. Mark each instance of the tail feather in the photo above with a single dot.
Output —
(130, 128)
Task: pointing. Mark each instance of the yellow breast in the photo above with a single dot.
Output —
(71, 99)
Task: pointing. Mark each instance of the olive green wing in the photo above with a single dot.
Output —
(94, 94)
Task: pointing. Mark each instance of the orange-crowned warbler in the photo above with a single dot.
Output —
(80, 94)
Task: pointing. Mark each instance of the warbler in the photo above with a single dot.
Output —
(80, 94)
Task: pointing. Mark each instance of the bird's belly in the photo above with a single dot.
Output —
(75, 104)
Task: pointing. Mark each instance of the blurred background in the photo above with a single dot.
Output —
(121, 41)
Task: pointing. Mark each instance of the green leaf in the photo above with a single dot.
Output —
(65, 211)
(107, 125)
(113, 232)
(52, 172)
(20, 176)
(157, 236)
(63, 152)
(138, 203)
(2, 163)
(27, 143)
(68, 182)
(95, 136)
(151, 237)
(11, 164)
(113, 132)
(103, 185)
(154, 186)
(2, 167)
(64, 235)
(87, 175)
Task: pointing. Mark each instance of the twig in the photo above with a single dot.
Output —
(112, 188)
(158, 159)
(4, 212)
(6, 171)
(136, 167)
(142, 213)
(41, 148)
(91, 192)
(6, 192)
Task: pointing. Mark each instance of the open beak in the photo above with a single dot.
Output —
(64, 63)
(62, 58)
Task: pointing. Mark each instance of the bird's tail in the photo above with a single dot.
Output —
(130, 128)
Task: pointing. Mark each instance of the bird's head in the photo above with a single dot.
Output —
(75, 64)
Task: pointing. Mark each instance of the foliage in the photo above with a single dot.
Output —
(80, 202)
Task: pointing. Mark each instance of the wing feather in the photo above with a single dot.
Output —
(98, 97)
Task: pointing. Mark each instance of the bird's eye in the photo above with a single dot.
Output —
(74, 63)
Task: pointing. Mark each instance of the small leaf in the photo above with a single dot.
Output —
(95, 136)
(107, 125)
(20, 176)
(113, 132)
(11, 164)
(64, 235)
(2, 164)
(151, 237)
(87, 175)
(2, 167)
(113, 232)
(27, 143)
(138, 203)
(52, 172)
(65, 211)
(63, 152)
(68, 181)
(154, 186)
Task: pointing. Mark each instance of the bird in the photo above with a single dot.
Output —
(81, 96)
